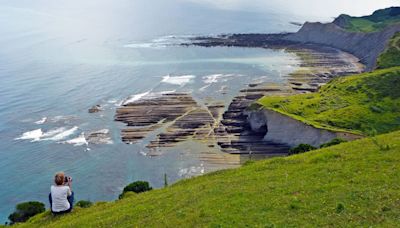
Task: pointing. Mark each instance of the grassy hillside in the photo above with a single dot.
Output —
(391, 56)
(351, 184)
(372, 23)
(360, 103)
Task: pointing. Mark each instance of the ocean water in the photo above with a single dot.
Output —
(59, 58)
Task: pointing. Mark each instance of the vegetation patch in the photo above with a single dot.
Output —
(379, 20)
(301, 149)
(391, 56)
(314, 189)
(24, 211)
(358, 103)
(136, 187)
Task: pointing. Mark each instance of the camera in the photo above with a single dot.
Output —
(67, 179)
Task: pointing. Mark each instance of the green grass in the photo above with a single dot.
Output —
(359, 103)
(353, 184)
(365, 25)
(379, 20)
(391, 56)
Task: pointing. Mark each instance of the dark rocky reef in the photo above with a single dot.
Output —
(95, 108)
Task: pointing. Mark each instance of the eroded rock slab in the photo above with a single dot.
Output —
(178, 116)
(99, 137)
(197, 122)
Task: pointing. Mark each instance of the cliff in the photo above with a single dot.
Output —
(366, 46)
(286, 130)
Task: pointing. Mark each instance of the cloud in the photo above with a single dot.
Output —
(314, 8)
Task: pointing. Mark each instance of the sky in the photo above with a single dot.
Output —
(313, 8)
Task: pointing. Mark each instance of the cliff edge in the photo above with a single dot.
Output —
(367, 46)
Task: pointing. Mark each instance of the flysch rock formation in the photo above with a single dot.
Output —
(366, 46)
(177, 117)
(286, 130)
(245, 129)
(234, 134)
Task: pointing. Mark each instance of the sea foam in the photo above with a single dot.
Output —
(135, 97)
(62, 135)
(178, 80)
(214, 78)
(78, 141)
(145, 95)
(41, 121)
(34, 135)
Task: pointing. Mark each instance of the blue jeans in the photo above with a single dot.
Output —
(71, 204)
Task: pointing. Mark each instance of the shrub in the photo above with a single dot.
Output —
(333, 142)
(301, 149)
(339, 208)
(84, 204)
(26, 210)
(137, 187)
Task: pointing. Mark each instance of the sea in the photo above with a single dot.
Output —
(59, 58)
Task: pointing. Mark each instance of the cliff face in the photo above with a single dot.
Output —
(286, 130)
(366, 46)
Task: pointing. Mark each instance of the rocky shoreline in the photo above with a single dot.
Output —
(238, 131)
(177, 117)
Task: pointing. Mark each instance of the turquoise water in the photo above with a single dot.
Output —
(59, 58)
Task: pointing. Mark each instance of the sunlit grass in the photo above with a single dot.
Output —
(353, 184)
(359, 103)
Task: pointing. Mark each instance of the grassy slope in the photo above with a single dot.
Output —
(359, 103)
(302, 190)
(375, 22)
(391, 56)
(365, 25)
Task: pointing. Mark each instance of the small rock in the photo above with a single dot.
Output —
(95, 108)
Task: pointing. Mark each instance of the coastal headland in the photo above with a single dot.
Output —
(325, 51)
(177, 117)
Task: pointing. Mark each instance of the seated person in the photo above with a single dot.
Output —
(61, 196)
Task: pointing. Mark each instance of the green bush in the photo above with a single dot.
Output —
(84, 204)
(339, 208)
(301, 149)
(26, 210)
(333, 142)
(137, 187)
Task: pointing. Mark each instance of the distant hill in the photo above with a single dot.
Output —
(379, 20)
(365, 37)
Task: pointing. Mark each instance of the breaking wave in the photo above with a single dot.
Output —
(178, 80)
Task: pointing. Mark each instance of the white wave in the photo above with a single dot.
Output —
(135, 97)
(178, 80)
(214, 78)
(204, 87)
(78, 141)
(143, 45)
(112, 101)
(34, 135)
(62, 118)
(162, 42)
(142, 96)
(41, 121)
(102, 131)
(191, 171)
(53, 132)
(62, 135)
(158, 94)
